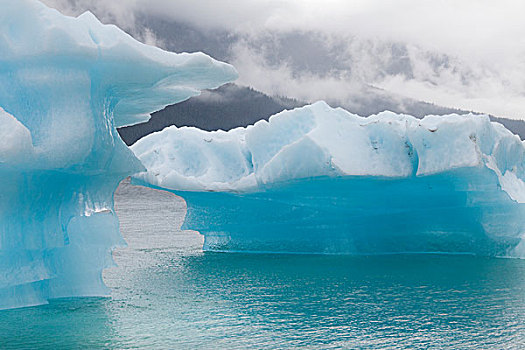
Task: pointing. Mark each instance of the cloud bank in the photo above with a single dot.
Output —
(464, 54)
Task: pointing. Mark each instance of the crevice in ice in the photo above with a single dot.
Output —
(413, 156)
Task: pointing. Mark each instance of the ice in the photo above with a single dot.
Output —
(318, 140)
(322, 180)
(15, 139)
(65, 85)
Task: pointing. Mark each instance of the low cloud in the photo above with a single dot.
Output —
(464, 54)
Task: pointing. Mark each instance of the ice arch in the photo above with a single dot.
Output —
(65, 85)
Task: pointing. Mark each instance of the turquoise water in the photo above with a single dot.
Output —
(167, 293)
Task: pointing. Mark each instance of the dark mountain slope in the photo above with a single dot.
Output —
(226, 108)
(231, 106)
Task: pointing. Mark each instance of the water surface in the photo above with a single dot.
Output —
(167, 293)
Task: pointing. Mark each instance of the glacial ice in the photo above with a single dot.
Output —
(65, 85)
(322, 180)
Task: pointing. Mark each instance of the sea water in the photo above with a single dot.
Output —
(167, 293)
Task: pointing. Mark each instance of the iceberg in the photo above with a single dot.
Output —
(323, 180)
(65, 85)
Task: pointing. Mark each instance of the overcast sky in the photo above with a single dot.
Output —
(464, 54)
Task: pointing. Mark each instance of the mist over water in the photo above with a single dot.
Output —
(167, 293)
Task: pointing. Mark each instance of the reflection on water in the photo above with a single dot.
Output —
(62, 324)
(167, 293)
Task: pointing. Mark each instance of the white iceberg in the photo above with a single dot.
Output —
(317, 179)
(65, 85)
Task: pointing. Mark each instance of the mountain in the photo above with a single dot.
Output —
(225, 108)
(232, 106)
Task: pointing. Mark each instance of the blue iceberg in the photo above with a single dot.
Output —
(322, 180)
(65, 85)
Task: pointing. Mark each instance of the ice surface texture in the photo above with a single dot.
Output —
(317, 179)
(65, 85)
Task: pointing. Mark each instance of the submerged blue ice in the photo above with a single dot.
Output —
(65, 85)
(322, 180)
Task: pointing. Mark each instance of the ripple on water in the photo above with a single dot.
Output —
(168, 294)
